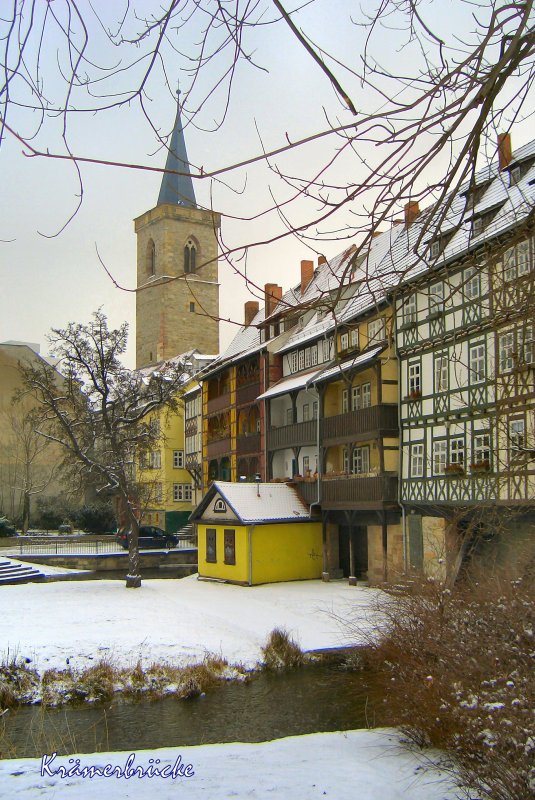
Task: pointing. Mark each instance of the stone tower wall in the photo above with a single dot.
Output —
(166, 325)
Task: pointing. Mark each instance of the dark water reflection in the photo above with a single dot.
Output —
(307, 700)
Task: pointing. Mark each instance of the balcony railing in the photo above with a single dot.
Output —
(301, 433)
(248, 443)
(219, 447)
(219, 403)
(359, 424)
(352, 491)
(248, 393)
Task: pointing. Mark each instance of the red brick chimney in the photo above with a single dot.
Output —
(321, 260)
(505, 150)
(250, 311)
(272, 294)
(412, 210)
(307, 273)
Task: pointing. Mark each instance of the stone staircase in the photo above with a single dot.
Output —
(13, 572)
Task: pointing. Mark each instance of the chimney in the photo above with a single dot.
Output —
(272, 294)
(505, 150)
(412, 210)
(307, 273)
(250, 311)
(321, 260)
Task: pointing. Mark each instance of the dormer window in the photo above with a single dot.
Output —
(434, 250)
(344, 341)
(515, 175)
(477, 226)
(190, 257)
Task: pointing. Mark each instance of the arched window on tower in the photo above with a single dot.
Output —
(151, 258)
(190, 256)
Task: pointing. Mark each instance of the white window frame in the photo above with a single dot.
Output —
(306, 412)
(377, 330)
(414, 378)
(293, 361)
(354, 337)
(345, 401)
(517, 438)
(472, 283)
(301, 358)
(441, 373)
(182, 492)
(314, 355)
(477, 368)
(308, 357)
(410, 309)
(481, 448)
(361, 460)
(506, 348)
(440, 456)
(457, 450)
(436, 297)
(417, 460)
(344, 341)
(178, 459)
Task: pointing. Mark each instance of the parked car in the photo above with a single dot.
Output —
(150, 538)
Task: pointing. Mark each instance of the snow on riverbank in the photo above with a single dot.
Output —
(177, 621)
(368, 765)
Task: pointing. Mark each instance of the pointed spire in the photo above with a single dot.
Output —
(177, 189)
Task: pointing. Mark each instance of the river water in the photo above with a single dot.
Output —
(324, 697)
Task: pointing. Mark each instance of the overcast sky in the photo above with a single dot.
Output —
(50, 278)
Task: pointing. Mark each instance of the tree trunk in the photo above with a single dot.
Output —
(25, 512)
(133, 579)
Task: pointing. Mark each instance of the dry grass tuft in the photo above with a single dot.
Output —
(281, 651)
(18, 683)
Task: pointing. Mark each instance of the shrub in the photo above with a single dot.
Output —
(281, 652)
(6, 528)
(457, 668)
(95, 518)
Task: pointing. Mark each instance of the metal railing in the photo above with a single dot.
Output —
(66, 546)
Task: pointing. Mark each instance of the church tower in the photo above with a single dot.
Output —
(177, 301)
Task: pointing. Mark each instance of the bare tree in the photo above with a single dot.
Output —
(30, 457)
(412, 127)
(100, 413)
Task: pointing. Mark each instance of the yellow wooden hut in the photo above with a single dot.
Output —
(251, 533)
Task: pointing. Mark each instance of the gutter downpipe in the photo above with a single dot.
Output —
(400, 449)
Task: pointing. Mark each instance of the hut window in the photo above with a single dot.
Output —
(230, 547)
(211, 552)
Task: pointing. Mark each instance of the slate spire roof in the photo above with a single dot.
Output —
(177, 189)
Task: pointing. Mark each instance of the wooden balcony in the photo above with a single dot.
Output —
(247, 394)
(219, 403)
(193, 461)
(360, 424)
(248, 443)
(352, 491)
(297, 435)
(218, 447)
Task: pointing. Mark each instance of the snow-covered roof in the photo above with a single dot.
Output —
(360, 282)
(353, 363)
(290, 384)
(257, 503)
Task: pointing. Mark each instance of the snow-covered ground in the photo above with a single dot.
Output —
(177, 621)
(368, 765)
